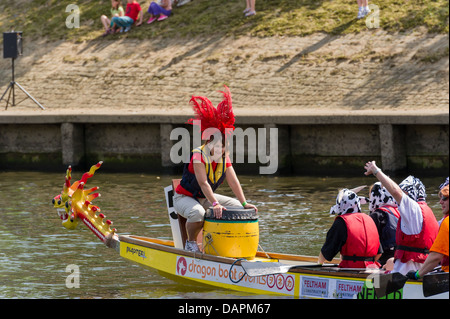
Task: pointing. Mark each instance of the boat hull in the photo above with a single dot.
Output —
(226, 273)
(202, 269)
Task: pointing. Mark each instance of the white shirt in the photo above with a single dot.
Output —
(404, 268)
(411, 224)
(412, 219)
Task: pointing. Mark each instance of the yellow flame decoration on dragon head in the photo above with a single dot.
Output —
(74, 204)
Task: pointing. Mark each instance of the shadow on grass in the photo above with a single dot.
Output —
(327, 39)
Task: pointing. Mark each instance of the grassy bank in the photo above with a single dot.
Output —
(46, 18)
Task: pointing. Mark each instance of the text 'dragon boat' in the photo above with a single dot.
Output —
(229, 257)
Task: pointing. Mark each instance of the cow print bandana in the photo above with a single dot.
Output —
(379, 196)
(347, 202)
(414, 188)
(444, 184)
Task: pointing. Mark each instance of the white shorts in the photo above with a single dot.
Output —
(194, 211)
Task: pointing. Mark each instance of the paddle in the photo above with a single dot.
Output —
(254, 269)
(433, 284)
(389, 283)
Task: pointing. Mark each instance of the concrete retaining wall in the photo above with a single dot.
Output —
(308, 144)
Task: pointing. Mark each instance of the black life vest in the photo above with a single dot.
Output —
(387, 236)
(215, 177)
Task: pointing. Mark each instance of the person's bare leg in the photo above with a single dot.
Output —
(193, 229)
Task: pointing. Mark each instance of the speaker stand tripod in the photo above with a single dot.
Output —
(10, 88)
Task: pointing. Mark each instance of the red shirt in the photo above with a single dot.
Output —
(133, 10)
(198, 156)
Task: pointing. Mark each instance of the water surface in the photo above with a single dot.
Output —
(35, 248)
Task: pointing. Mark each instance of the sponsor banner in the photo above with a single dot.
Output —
(319, 287)
(314, 287)
(346, 289)
(212, 271)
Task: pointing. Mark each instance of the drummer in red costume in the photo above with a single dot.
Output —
(209, 166)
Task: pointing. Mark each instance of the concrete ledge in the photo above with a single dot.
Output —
(308, 142)
(281, 117)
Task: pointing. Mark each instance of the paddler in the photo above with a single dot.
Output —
(209, 166)
(417, 227)
(443, 200)
(353, 234)
(439, 250)
(384, 211)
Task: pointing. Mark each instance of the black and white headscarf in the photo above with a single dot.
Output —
(414, 188)
(379, 196)
(347, 202)
(444, 184)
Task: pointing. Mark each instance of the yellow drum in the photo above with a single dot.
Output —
(235, 235)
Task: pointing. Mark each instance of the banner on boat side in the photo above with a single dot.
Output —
(320, 287)
(217, 272)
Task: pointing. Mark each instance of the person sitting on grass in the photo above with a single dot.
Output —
(159, 12)
(116, 11)
(132, 12)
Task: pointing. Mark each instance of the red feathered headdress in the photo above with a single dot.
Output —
(221, 117)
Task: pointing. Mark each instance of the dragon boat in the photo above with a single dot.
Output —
(229, 258)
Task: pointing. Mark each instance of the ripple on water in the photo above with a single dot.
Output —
(35, 249)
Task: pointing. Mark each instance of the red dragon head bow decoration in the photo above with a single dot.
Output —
(221, 118)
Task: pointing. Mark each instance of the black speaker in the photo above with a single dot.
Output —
(12, 44)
